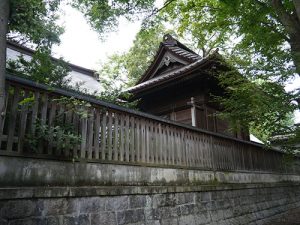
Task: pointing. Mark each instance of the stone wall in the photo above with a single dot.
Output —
(245, 204)
(51, 192)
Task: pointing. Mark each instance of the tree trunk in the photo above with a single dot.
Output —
(4, 14)
(291, 24)
(295, 50)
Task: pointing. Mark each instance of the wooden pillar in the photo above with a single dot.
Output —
(193, 111)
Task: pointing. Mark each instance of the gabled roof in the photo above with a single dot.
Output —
(177, 74)
(169, 48)
(189, 62)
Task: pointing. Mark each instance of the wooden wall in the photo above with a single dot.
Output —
(174, 103)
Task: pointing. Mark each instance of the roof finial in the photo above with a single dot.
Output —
(169, 39)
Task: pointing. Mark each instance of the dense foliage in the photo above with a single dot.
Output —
(34, 23)
(103, 15)
(259, 39)
(128, 67)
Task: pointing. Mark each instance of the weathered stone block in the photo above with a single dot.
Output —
(17, 209)
(227, 213)
(152, 222)
(162, 200)
(202, 218)
(204, 196)
(148, 214)
(188, 209)
(77, 220)
(55, 206)
(158, 200)
(104, 218)
(185, 198)
(186, 220)
(169, 212)
(52, 221)
(92, 205)
(131, 216)
(3, 222)
(172, 221)
(137, 201)
(117, 203)
(216, 215)
(28, 221)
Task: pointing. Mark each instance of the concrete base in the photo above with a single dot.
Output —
(40, 172)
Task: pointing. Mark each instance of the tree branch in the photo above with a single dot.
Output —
(274, 28)
(155, 11)
(290, 24)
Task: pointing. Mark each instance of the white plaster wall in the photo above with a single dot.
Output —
(86, 82)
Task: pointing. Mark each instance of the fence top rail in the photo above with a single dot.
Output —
(71, 93)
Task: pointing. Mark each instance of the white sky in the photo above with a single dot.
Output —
(82, 46)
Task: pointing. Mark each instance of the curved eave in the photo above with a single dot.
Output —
(181, 53)
(157, 57)
(178, 74)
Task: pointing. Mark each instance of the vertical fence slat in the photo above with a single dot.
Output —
(132, 141)
(96, 134)
(122, 138)
(143, 141)
(12, 119)
(3, 115)
(160, 138)
(83, 138)
(109, 134)
(90, 134)
(127, 138)
(116, 141)
(52, 114)
(137, 139)
(22, 125)
(103, 135)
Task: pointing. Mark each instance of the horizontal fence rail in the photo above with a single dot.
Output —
(45, 122)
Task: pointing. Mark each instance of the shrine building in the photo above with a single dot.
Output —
(179, 85)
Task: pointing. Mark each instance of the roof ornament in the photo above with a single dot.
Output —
(167, 60)
(168, 39)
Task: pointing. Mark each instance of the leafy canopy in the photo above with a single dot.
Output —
(255, 41)
(261, 40)
(103, 14)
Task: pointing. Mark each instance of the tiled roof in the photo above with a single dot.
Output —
(171, 75)
(172, 45)
(182, 52)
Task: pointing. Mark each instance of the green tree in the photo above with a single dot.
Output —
(261, 40)
(27, 21)
(34, 21)
(41, 68)
(253, 37)
(132, 64)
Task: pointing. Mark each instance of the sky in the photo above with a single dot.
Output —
(82, 46)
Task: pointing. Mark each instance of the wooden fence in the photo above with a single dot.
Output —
(103, 132)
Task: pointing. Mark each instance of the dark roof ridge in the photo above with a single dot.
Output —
(173, 74)
(28, 51)
(169, 43)
(168, 38)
